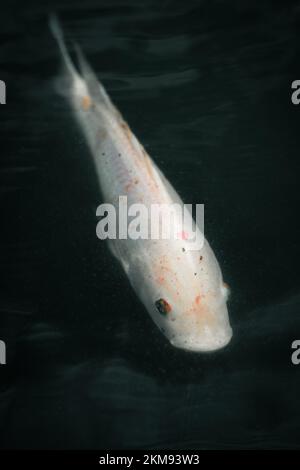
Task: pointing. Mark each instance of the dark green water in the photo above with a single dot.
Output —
(206, 87)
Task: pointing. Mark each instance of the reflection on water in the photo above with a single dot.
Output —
(206, 88)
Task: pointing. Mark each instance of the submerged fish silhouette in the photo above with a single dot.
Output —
(182, 289)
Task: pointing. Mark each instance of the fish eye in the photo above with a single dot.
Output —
(163, 306)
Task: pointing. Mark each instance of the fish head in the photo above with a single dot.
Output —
(203, 328)
(195, 321)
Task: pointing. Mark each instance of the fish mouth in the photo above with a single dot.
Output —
(196, 344)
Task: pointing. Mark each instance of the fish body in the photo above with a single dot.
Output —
(182, 289)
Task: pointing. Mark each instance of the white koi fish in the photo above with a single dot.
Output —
(182, 289)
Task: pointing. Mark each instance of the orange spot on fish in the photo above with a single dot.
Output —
(197, 299)
(86, 103)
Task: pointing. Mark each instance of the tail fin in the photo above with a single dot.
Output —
(95, 88)
(59, 36)
(84, 80)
